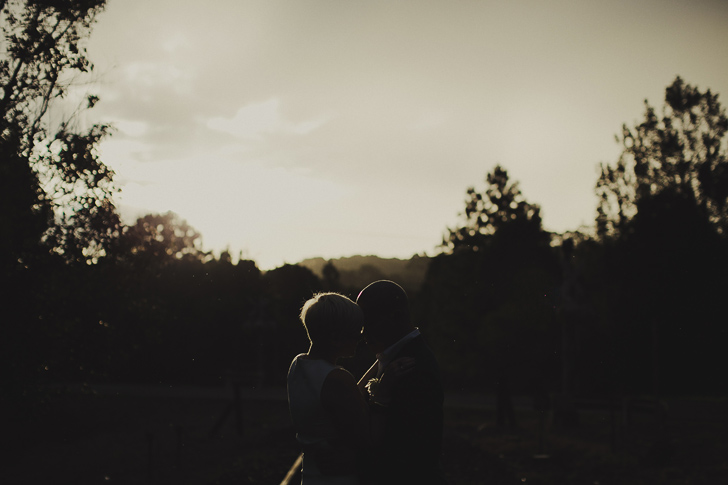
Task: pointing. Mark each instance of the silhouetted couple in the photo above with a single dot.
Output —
(385, 429)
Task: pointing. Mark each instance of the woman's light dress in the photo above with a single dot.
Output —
(314, 427)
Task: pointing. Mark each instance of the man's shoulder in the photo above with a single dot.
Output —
(417, 348)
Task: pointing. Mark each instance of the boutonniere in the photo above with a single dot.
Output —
(371, 386)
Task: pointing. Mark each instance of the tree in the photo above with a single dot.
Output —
(286, 289)
(682, 152)
(500, 208)
(331, 277)
(662, 220)
(160, 238)
(486, 298)
(56, 193)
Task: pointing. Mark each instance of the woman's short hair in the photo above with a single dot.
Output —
(331, 315)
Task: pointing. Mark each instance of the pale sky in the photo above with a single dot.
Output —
(295, 129)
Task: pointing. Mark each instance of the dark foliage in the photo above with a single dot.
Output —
(662, 228)
(488, 302)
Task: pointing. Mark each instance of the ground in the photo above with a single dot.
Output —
(85, 437)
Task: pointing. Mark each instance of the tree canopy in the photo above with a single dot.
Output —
(501, 208)
(487, 298)
(56, 193)
(661, 224)
(161, 238)
(681, 152)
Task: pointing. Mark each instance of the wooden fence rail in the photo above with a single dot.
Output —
(294, 473)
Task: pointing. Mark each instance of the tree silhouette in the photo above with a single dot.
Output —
(287, 288)
(56, 193)
(683, 151)
(159, 239)
(662, 222)
(500, 207)
(486, 299)
(331, 277)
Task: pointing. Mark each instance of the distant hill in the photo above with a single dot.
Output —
(355, 272)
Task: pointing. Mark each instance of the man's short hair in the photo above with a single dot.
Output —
(331, 315)
(384, 299)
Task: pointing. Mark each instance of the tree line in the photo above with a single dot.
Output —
(632, 306)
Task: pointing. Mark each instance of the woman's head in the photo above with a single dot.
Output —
(331, 319)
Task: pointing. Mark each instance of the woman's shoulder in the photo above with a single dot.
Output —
(295, 361)
(300, 357)
(317, 370)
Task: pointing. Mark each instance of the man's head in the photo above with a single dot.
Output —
(386, 314)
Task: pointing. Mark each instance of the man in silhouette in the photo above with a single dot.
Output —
(410, 449)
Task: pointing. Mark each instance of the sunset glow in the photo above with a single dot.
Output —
(289, 130)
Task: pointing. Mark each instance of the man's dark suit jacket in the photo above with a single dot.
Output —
(410, 452)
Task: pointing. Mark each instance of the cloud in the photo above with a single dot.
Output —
(254, 120)
(131, 128)
(225, 113)
(153, 74)
(175, 43)
(241, 205)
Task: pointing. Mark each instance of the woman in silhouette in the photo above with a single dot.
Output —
(329, 408)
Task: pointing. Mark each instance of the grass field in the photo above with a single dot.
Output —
(86, 438)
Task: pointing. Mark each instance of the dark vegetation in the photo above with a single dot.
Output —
(170, 437)
(635, 308)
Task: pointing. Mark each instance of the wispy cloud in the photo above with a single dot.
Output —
(232, 114)
(254, 120)
(155, 74)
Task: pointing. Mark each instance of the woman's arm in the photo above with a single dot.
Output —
(347, 407)
(341, 398)
(347, 402)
